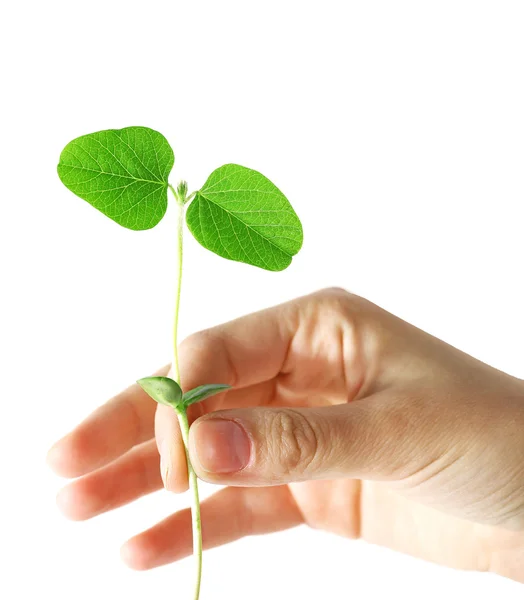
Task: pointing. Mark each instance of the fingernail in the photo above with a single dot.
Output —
(222, 446)
(164, 462)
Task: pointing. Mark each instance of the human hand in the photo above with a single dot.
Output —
(344, 418)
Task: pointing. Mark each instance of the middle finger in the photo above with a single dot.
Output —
(133, 475)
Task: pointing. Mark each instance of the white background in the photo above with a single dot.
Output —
(396, 129)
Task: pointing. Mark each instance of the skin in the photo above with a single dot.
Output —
(350, 420)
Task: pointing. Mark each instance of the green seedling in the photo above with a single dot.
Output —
(238, 214)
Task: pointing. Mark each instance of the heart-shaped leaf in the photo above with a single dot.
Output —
(240, 215)
(163, 390)
(121, 172)
(202, 392)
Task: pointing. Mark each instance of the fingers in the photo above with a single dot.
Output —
(173, 462)
(381, 437)
(241, 353)
(173, 465)
(236, 353)
(228, 515)
(111, 430)
(126, 479)
(328, 345)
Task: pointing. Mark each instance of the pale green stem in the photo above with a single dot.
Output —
(182, 416)
(195, 505)
(180, 254)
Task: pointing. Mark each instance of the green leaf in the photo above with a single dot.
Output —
(240, 215)
(121, 172)
(203, 391)
(163, 390)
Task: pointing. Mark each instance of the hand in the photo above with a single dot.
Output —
(341, 416)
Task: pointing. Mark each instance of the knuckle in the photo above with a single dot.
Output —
(198, 348)
(294, 442)
(209, 347)
(338, 300)
(334, 291)
(130, 406)
(198, 343)
(338, 295)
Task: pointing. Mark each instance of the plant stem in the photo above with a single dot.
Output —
(181, 414)
(195, 505)
(180, 254)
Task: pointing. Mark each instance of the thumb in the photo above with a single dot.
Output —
(371, 438)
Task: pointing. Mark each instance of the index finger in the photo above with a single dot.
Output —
(241, 353)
